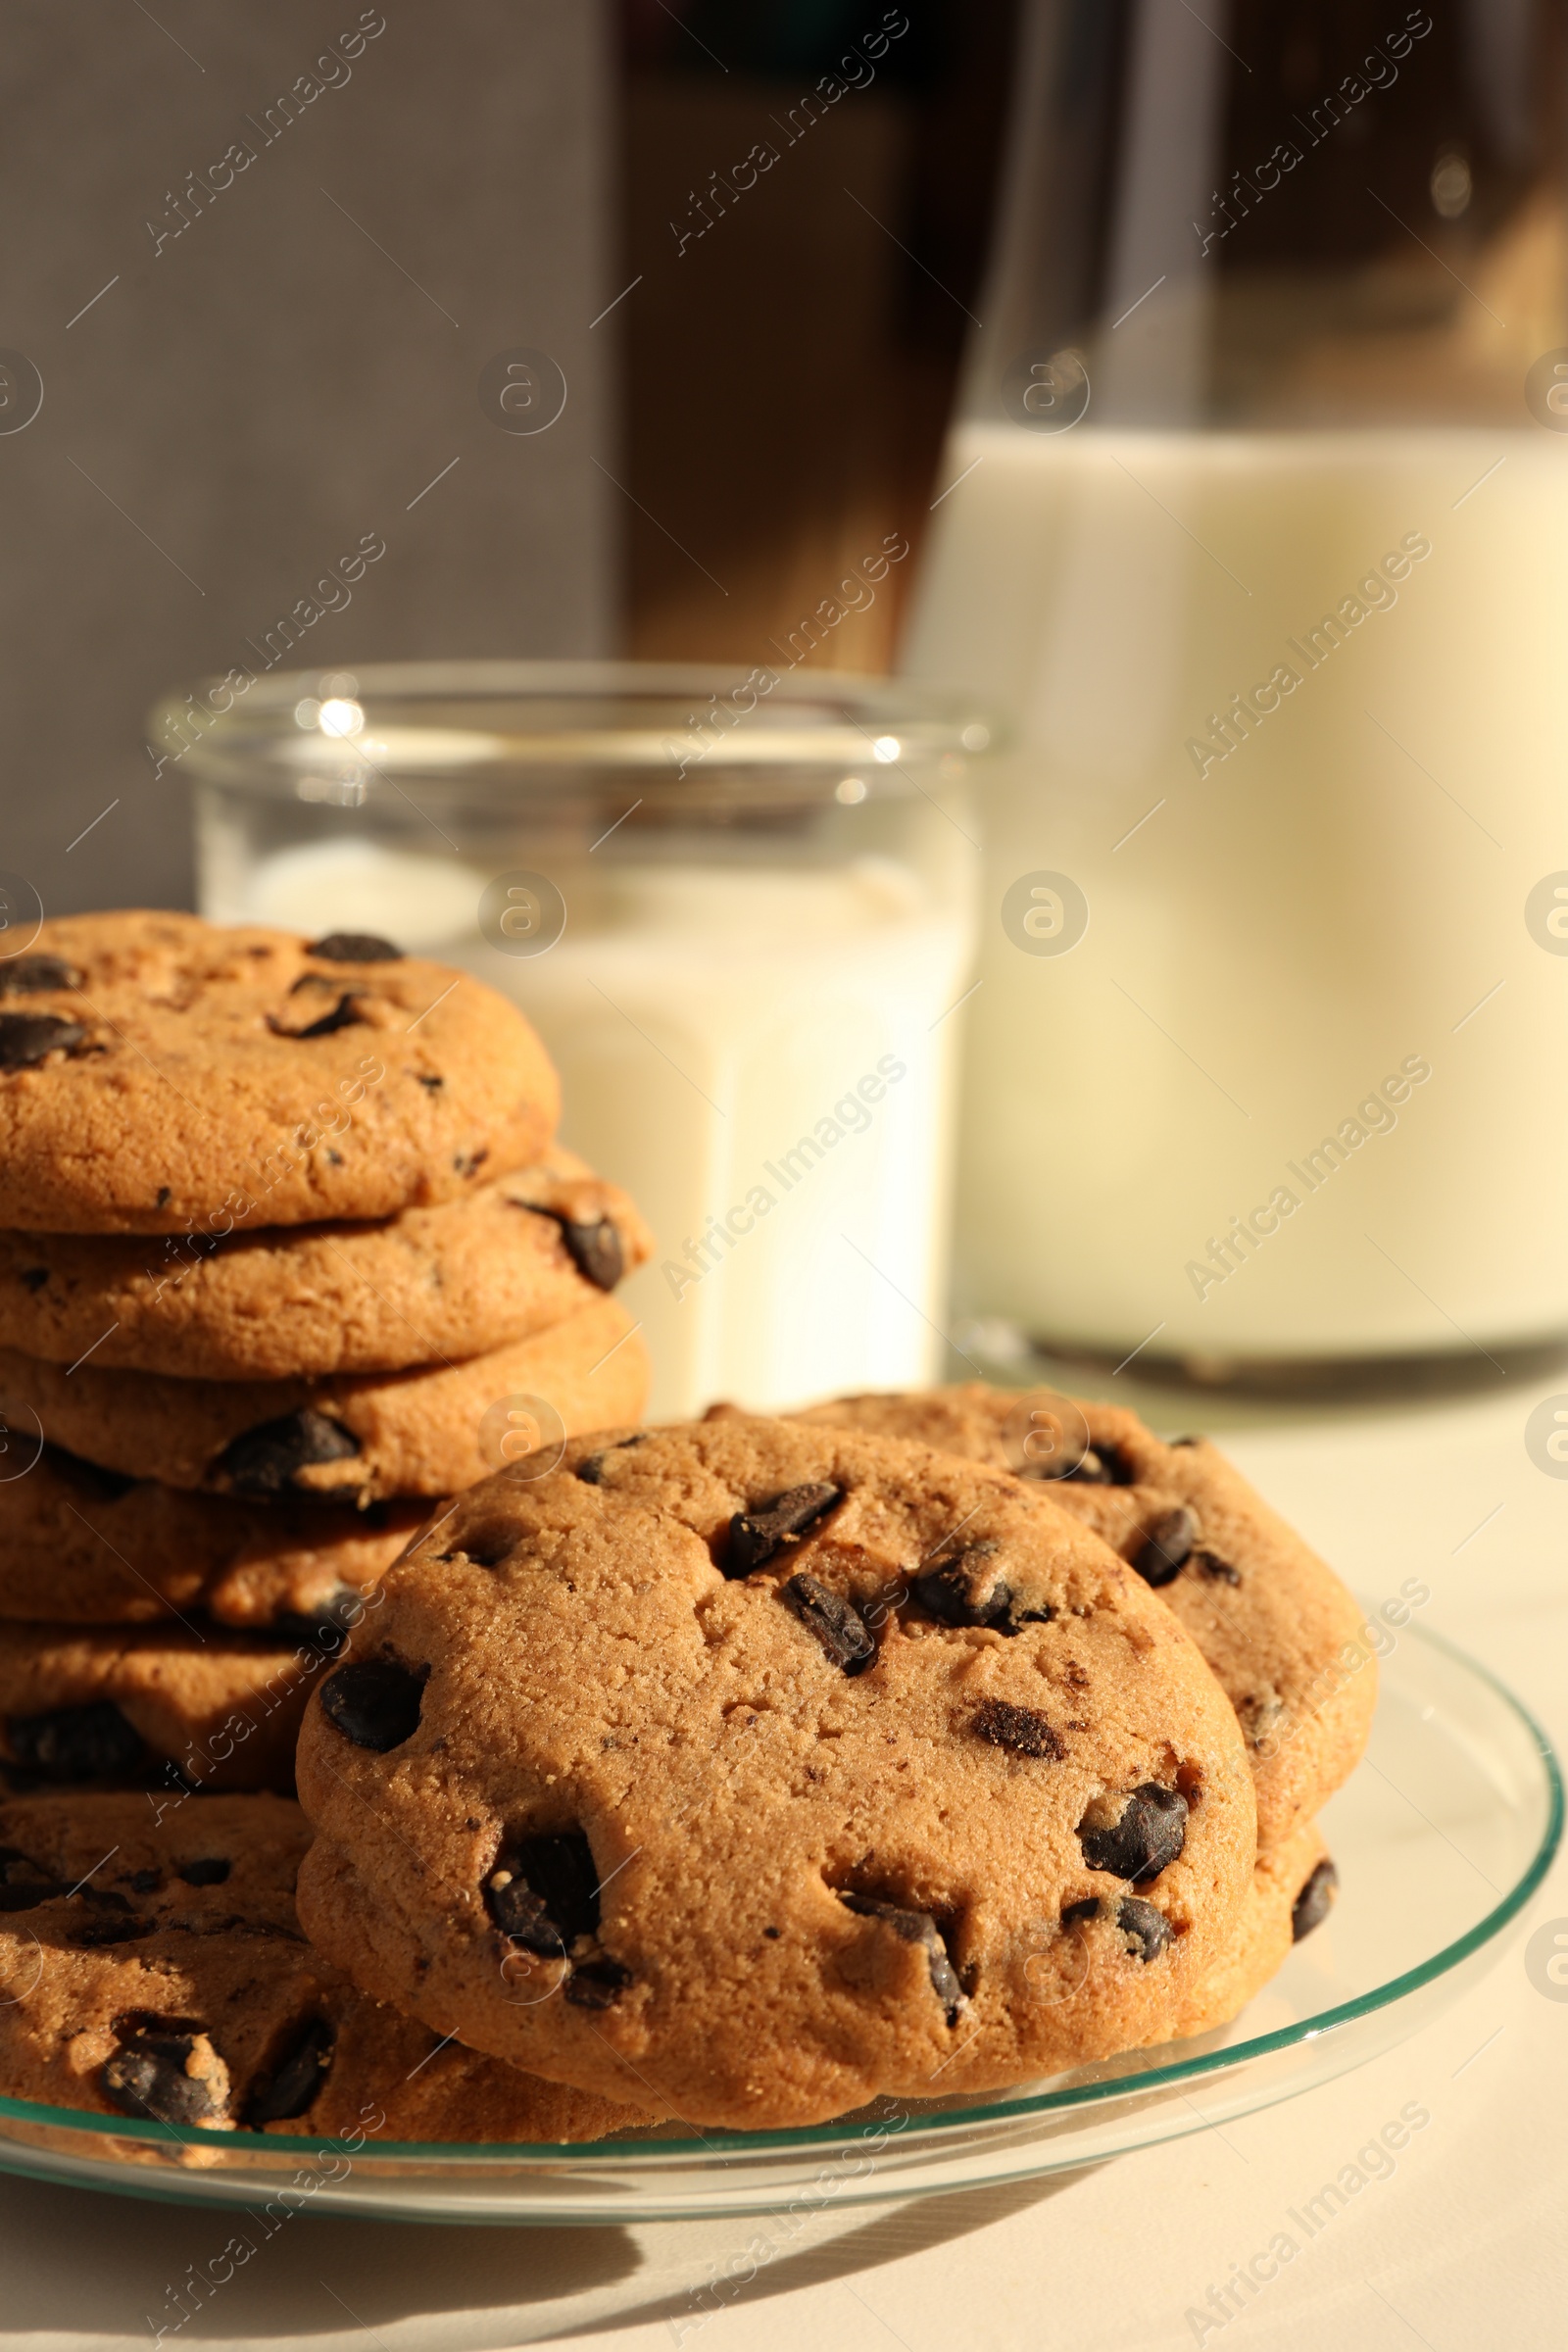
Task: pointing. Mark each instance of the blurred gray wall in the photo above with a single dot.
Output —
(269, 380)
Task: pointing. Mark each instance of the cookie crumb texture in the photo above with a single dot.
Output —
(433, 1284)
(158, 1071)
(152, 1965)
(355, 1439)
(1282, 1635)
(656, 1770)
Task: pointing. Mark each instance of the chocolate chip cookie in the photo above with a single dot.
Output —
(160, 1074)
(1292, 1892)
(81, 1545)
(91, 1705)
(771, 1768)
(350, 1439)
(433, 1284)
(154, 1967)
(1282, 1634)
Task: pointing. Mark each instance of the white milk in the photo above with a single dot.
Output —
(760, 1045)
(1319, 911)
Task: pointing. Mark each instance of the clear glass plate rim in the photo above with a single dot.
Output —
(805, 2139)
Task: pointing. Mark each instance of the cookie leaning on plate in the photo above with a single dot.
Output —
(673, 1766)
(432, 1284)
(157, 1070)
(355, 1439)
(1282, 1634)
(82, 1546)
(156, 1968)
(86, 1704)
(1293, 1890)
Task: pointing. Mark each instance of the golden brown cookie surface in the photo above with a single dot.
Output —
(355, 1438)
(83, 1704)
(1291, 1892)
(766, 1766)
(158, 1071)
(152, 1965)
(82, 1546)
(433, 1284)
(1280, 1631)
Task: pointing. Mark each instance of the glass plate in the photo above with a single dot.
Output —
(1440, 1837)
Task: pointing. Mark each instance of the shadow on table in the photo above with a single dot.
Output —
(890, 2234)
(76, 2264)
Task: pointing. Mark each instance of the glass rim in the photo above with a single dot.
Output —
(664, 724)
(734, 2145)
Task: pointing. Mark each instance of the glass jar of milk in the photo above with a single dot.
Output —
(1255, 519)
(740, 911)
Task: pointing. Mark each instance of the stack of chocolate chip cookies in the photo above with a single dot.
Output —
(726, 1775)
(287, 1253)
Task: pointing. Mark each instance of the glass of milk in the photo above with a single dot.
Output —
(1254, 520)
(740, 911)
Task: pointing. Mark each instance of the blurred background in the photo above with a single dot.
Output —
(1197, 379)
(240, 381)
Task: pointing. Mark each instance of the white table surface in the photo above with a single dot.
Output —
(1465, 2247)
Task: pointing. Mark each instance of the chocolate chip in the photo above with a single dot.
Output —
(147, 2075)
(1150, 1832)
(89, 1478)
(544, 1891)
(468, 1163)
(1088, 1908)
(915, 1927)
(1101, 1466)
(76, 1744)
(264, 1461)
(27, 1037)
(1210, 1564)
(596, 1983)
(837, 1623)
(594, 1249)
(32, 975)
(207, 1870)
(755, 1536)
(164, 1196)
(1186, 1440)
(23, 1885)
(1259, 1712)
(486, 1547)
(375, 1701)
(591, 1469)
(353, 947)
(295, 2080)
(430, 1083)
(145, 1882)
(1147, 1930)
(1020, 1728)
(96, 1934)
(1315, 1901)
(1160, 1555)
(344, 1014)
(28, 1894)
(34, 1277)
(967, 1589)
(325, 1628)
